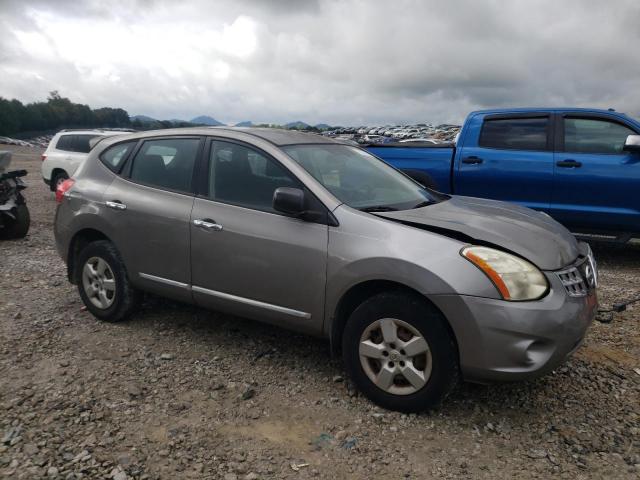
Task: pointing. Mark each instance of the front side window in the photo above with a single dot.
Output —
(166, 163)
(244, 177)
(359, 179)
(582, 135)
(114, 156)
(515, 133)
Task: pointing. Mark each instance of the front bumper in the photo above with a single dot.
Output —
(505, 341)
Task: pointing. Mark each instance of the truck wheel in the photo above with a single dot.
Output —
(18, 227)
(57, 179)
(422, 178)
(103, 283)
(399, 353)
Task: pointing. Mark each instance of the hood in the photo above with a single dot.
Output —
(530, 234)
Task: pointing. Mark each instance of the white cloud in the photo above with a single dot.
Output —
(336, 61)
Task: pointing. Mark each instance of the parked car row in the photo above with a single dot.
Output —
(391, 133)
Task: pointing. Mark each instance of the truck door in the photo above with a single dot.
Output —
(595, 181)
(507, 157)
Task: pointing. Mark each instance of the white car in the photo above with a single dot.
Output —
(66, 151)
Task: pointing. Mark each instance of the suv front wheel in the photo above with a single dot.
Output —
(398, 351)
(103, 283)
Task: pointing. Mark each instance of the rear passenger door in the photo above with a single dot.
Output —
(150, 203)
(507, 157)
(596, 182)
(247, 258)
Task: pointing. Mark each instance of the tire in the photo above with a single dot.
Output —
(117, 302)
(57, 179)
(437, 368)
(16, 228)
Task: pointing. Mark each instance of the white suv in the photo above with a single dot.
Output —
(66, 151)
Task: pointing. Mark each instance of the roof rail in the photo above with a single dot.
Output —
(98, 129)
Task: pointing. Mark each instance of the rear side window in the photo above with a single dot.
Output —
(65, 142)
(114, 157)
(515, 133)
(81, 143)
(166, 163)
(75, 143)
(582, 135)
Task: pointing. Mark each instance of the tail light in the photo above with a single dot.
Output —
(43, 157)
(64, 188)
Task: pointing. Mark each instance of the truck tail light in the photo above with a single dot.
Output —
(43, 157)
(64, 188)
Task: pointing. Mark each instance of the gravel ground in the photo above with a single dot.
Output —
(179, 392)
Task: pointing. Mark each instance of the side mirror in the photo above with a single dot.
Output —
(288, 200)
(632, 144)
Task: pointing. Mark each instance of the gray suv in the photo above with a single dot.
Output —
(416, 289)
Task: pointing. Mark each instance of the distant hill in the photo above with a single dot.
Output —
(298, 124)
(322, 126)
(206, 120)
(143, 119)
(246, 123)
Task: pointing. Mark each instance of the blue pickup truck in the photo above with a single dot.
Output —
(581, 166)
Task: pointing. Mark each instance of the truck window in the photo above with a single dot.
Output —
(515, 133)
(585, 135)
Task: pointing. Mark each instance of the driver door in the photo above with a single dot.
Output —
(248, 259)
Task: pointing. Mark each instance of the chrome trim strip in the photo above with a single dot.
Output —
(253, 303)
(166, 281)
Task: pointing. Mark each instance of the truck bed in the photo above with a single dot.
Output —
(433, 160)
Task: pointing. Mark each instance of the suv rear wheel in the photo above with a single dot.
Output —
(103, 283)
(57, 179)
(398, 351)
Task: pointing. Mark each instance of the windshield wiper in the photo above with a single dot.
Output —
(378, 208)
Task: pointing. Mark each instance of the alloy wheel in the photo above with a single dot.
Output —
(99, 282)
(395, 356)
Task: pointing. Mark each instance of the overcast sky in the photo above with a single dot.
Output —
(335, 61)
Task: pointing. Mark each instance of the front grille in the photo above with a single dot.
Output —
(573, 282)
(580, 278)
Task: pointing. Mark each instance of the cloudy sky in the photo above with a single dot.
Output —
(335, 61)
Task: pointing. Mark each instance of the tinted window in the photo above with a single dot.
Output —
(166, 163)
(515, 133)
(583, 135)
(242, 176)
(114, 157)
(65, 142)
(81, 143)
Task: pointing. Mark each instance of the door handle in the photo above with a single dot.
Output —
(569, 164)
(116, 205)
(208, 224)
(472, 160)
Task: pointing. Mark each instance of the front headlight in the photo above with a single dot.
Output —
(515, 278)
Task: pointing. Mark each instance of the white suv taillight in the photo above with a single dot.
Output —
(63, 188)
(43, 157)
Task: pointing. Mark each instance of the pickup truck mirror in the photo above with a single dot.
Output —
(288, 200)
(632, 144)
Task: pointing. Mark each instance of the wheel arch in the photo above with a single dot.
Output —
(55, 172)
(81, 239)
(360, 292)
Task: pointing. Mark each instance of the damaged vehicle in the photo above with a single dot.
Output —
(415, 288)
(14, 213)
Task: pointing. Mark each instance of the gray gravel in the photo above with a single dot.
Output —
(179, 392)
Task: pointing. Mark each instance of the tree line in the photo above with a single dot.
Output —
(56, 113)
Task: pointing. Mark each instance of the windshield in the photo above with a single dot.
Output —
(359, 179)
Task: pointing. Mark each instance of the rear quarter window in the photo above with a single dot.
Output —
(515, 133)
(113, 157)
(65, 142)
